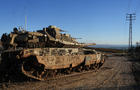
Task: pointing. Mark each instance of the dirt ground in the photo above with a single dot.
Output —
(115, 74)
(136, 70)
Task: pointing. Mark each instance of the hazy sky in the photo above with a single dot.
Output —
(99, 21)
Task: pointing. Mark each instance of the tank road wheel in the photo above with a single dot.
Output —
(98, 65)
(68, 71)
(79, 69)
(32, 69)
(51, 73)
(95, 67)
(103, 61)
(91, 66)
(87, 67)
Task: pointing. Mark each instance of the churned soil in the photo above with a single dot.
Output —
(117, 73)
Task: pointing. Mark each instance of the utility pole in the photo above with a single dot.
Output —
(130, 18)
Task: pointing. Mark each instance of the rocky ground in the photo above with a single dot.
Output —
(118, 73)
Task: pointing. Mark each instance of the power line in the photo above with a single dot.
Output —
(129, 5)
(132, 6)
(137, 5)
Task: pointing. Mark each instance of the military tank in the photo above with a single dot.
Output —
(46, 53)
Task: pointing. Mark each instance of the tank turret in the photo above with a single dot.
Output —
(50, 36)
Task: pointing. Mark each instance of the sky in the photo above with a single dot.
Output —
(95, 21)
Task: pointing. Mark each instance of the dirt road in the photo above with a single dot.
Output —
(115, 74)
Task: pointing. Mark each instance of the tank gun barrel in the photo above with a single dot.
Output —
(88, 44)
(77, 38)
(62, 30)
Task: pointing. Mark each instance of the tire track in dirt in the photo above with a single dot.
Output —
(111, 77)
(111, 71)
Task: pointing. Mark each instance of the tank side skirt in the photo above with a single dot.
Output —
(58, 62)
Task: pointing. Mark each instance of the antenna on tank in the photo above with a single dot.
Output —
(25, 22)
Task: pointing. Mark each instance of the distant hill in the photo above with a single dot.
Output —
(111, 46)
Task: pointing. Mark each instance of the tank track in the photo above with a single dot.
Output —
(37, 71)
